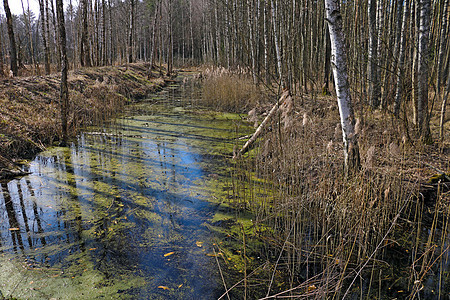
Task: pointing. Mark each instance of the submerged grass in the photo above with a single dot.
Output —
(30, 113)
(380, 234)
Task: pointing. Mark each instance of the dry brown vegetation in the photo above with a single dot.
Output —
(380, 233)
(30, 112)
(230, 91)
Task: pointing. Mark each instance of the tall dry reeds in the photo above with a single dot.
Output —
(231, 91)
(381, 233)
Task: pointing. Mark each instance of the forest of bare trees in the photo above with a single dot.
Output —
(397, 51)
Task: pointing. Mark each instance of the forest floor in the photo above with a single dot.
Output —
(30, 111)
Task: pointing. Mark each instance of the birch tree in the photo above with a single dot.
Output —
(44, 34)
(422, 71)
(339, 66)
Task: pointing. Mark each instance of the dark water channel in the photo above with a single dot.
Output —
(122, 212)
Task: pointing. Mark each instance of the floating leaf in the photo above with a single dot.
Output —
(90, 249)
(168, 254)
(311, 288)
(199, 244)
(163, 287)
(180, 285)
(14, 229)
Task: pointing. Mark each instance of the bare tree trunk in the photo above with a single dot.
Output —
(401, 61)
(152, 53)
(85, 59)
(26, 15)
(339, 58)
(44, 37)
(276, 36)
(440, 66)
(170, 40)
(64, 95)
(266, 44)
(422, 71)
(326, 75)
(2, 67)
(373, 55)
(250, 11)
(12, 40)
(131, 33)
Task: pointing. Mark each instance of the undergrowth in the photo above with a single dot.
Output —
(30, 113)
(382, 233)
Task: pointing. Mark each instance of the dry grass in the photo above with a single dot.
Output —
(381, 233)
(30, 112)
(231, 91)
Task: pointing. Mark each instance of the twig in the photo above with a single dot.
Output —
(237, 283)
(221, 275)
(437, 170)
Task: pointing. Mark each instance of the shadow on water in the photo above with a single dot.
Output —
(123, 213)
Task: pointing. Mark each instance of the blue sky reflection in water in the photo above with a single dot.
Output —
(122, 212)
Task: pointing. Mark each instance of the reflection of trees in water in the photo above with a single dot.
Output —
(11, 213)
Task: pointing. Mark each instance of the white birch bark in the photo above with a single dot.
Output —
(339, 65)
(276, 36)
(422, 70)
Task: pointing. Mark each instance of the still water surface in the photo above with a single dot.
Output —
(122, 212)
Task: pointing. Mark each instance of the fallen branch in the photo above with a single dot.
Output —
(260, 128)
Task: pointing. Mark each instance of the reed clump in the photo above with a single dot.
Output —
(231, 91)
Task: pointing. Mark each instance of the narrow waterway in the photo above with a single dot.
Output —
(122, 212)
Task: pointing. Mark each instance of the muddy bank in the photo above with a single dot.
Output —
(30, 113)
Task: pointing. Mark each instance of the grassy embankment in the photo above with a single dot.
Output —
(30, 112)
(381, 233)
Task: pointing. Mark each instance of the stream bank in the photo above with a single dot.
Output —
(30, 113)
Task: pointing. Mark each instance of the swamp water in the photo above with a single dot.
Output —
(124, 212)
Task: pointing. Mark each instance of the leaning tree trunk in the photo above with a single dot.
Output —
(64, 93)
(12, 41)
(422, 71)
(339, 63)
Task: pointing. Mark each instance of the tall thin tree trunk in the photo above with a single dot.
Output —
(104, 43)
(422, 71)
(266, 43)
(440, 67)
(339, 63)
(373, 55)
(131, 33)
(64, 95)
(152, 53)
(2, 67)
(26, 15)
(274, 8)
(12, 40)
(44, 37)
(401, 61)
(85, 58)
(327, 63)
